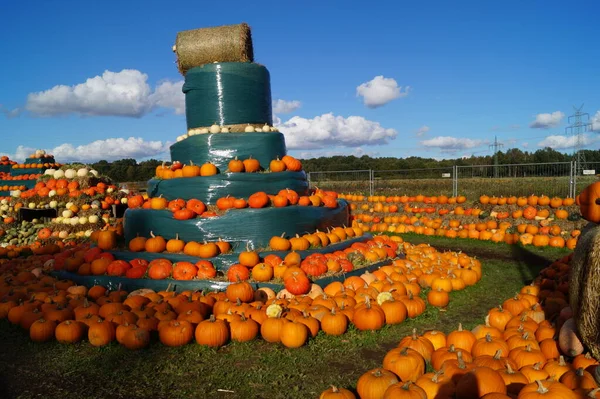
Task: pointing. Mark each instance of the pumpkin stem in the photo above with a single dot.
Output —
(414, 334)
(509, 369)
(498, 354)
(541, 389)
(460, 327)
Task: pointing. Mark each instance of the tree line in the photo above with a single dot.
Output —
(129, 170)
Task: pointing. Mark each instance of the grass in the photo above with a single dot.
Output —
(256, 369)
(472, 188)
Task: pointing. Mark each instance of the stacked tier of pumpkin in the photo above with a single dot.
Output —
(527, 348)
(50, 309)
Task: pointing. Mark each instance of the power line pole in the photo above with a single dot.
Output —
(496, 146)
(579, 124)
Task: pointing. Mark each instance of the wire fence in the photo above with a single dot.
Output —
(562, 179)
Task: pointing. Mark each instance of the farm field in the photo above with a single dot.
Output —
(256, 369)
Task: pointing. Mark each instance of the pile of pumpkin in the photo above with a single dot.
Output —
(517, 353)
(250, 165)
(7, 176)
(49, 309)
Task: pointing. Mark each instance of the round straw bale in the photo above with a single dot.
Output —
(584, 289)
(229, 43)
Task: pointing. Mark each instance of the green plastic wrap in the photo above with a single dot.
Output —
(209, 189)
(39, 160)
(27, 171)
(237, 226)
(130, 284)
(27, 183)
(220, 148)
(228, 93)
(223, 262)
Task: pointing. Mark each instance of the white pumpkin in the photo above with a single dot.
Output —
(57, 220)
(66, 221)
(59, 174)
(203, 130)
(88, 233)
(94, 172)
(215, 128)
(53, 204)
(258, 130)
(266, 128)
(249, 128)
(93, 219)
(274, 310)
(68, 205)
(180, 138)
(67, 213)
(49, 172)
(82, 172)
(274, 129)
(63, 234)
(16, 193)
(74, 221)
(225, 130)
(70, 173)
(51, 193)
(124, 201)
(31, 205)
(83, 220)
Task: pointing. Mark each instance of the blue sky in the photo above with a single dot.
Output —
(395, 78)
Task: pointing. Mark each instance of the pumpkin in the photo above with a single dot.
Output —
(336, 393)
(158, 203)
(479, 382)
(271, 328)
(42, 330)
(155, 244)
(101, 333)
(184, 271)
(175, 245)
(550, 389)
(137, 244)
(294, 334)
(258, 200)
(277, 165)
(279, 243)
(568, 340)
(243, 330)
(251, 165)
(107, 240)
(235, 165)
(240, 291)
(374, 383)
(589, 202)
(406, 363)
(176, 333)
(420, 344)
(461, 339)
(334, 323)
(69, 332)
(292, 164)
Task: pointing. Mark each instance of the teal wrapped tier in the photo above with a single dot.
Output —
(223, 262)
(5, 168)
(27, 183)
(27, 171)
(228, 93)
(220, 148)
(130, 284)
(237, 226)
(39, 160)
(209, 189)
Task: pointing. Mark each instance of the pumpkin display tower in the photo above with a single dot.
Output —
(229, 119)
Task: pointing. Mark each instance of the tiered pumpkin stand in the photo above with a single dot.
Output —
(213, 93)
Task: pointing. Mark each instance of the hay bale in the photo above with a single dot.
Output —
(229, 43)
(584, 289)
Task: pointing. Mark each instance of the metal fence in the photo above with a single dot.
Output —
(561, 179)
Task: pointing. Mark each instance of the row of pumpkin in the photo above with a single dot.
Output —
(527, 348)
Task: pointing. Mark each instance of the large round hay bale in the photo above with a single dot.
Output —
(229, 43)
(584, 288)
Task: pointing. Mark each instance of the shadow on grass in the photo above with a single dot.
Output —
(529, 263)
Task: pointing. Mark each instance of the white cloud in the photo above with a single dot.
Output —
(380, 91)
(447, 143)
(10, 113)
(108, 149)
(563, 142)
(596, 122)
(328, 129)
(125, 93)
(422, 130)
(169, 95)
(285, 107)
(546, 121)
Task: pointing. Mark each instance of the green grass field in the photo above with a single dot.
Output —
(256, 369)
